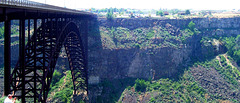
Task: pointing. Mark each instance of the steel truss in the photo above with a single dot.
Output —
(32, 75)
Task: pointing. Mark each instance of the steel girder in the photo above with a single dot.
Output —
(31, 78)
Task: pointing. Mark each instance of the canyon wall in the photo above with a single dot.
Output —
(155, 62)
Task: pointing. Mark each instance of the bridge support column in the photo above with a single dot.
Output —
(7, 54)
(34, 57)
(22, 56)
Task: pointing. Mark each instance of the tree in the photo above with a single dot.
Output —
(174, 11)
(191, 26)
(187, 12)
(110, 14)
(160, 13)
(56, 77)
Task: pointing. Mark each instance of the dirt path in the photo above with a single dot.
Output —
(228, 62)
(218, 58)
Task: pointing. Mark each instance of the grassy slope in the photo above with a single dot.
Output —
(210, 81)
(213, 80)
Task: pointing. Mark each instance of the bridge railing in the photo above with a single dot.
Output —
(21, 3)
(27, 3)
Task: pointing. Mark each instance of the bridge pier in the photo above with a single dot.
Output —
(22, 56)
(7, 53)
(34, 56)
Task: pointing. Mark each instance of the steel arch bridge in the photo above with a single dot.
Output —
(59, 27)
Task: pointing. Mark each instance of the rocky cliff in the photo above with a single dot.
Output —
(230, 25)
(115, 59)
(151, 49)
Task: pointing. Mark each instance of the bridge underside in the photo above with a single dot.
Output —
(31, 78)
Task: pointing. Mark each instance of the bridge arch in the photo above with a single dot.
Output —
(32, 78)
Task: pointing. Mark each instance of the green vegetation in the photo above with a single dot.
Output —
(184, 90)
(63, 89)
(189, 31)
(168, 13)
(109, 15)
(155, 37)
(140, 85)
(229, 72)
(112, 89)
(191, 26)
(56, 77)
(233, 46)
(160, 13)
(187, 12)
(64, 95)
(1, 32)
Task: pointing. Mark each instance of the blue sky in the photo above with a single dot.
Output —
(148, 4)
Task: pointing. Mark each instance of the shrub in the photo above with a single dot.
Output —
(64, 95)
(2, 99)
(160, 13)
(187, 12)
(1, 32)
(138, 46)
(150, 34)
(191, 26)
(56, 77)
(140, 85)
(152, 100)
(109, 15)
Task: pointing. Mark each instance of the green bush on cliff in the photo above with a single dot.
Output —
(56, 77)
(233, 46)
(150, 34)
(1, 32)
(165, 90)
(140, 85)
(191, 25)
(64, 95)
(231, 74)
(109, 15)
(62, 87)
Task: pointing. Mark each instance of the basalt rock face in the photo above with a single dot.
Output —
(201, 23)
(139, 63)
(165, 61)
(14, 51)
(209, 26)
(151, 63)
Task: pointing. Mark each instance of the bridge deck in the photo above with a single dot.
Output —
(30, 9)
